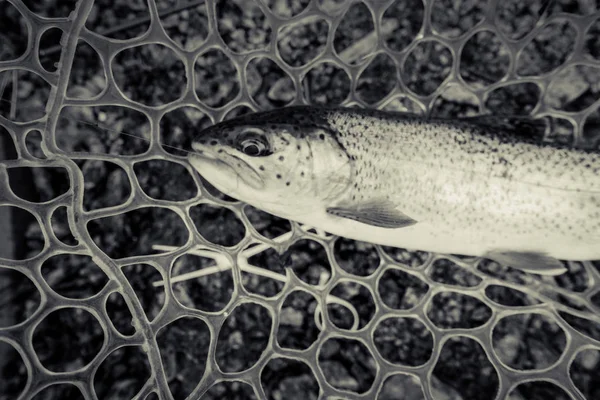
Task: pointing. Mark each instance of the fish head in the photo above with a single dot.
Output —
(274, 161)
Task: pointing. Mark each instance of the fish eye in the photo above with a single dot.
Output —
(253, 144)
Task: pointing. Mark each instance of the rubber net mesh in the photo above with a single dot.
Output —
(235, 319)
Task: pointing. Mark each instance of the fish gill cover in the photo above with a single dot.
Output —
(98, 205)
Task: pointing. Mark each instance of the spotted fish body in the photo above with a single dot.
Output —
(480, 186)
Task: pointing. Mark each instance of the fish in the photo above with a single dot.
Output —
(485, 186)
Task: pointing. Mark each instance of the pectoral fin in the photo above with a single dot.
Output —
(381, 213)
(535, 263)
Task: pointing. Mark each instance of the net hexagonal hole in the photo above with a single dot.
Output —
(403, 341)
(400, 290)
(175, 128)
(165, 180)
(48, 183)
(51, 37)
(484, 59)
(538, 390)
(61, 227)
(98, 129)
(13, 374)
(356, 25)
(268, 84)
(122, 373)
(585, 373)
(106, 184)
(88, 77)
(298, 329)
(453, 18)
(359, 298)
(15, 33)
(427, 66)
(33, 143)
(151, 74)
(151, 298)
(135, 232)
(302, 42)
(73, 275)
(514, 99)
(216, 86)
(401, 386)
(230, 390)
(347, 365)
(31, 97)
(243, 337)
(67, 339)
(309, 261)
(528, 341)
(509, 297)
(355, 257)
(218, 225)
(119, 314)
(19, 297)
(242, 25)
(284, 378)
(446, 271)
(378, 80)
(405, 18)
(189, 29)
(24, 224)
(452, 310)
(211, 292)
(60, 391)
(464, 366)
(183, 346)
(548, 50)
(326, 83)
(267, 283)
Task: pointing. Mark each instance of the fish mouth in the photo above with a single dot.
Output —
(249, 175)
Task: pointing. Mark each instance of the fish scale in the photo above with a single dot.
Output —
(480, 186)
(449, 166)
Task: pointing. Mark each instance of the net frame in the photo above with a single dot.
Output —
(20, 336)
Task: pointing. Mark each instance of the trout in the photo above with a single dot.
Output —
(485, 186)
